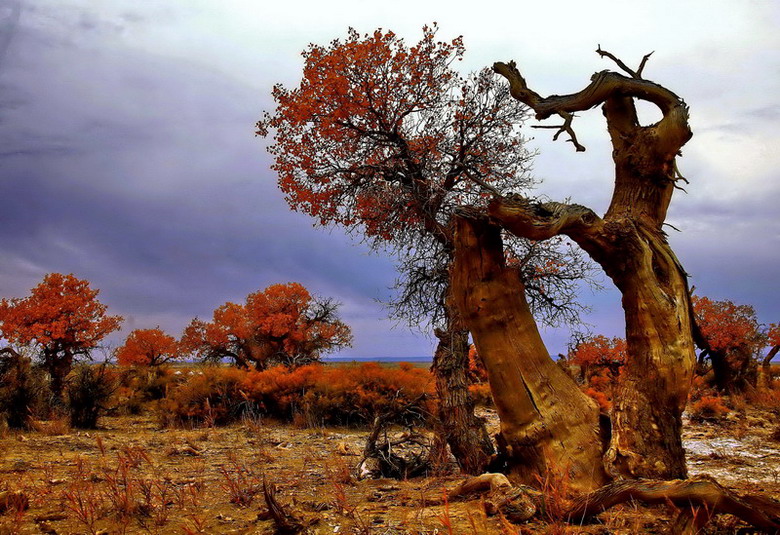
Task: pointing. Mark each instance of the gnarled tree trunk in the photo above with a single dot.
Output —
(766, 366)
(465, 433)
(629, 244)
(547, 423)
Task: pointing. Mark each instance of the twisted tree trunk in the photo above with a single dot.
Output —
(630, 245)
(465, 433)
(547, 423)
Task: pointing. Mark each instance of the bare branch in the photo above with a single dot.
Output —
(565, 127)
(672, 130)
(634, 74)
(643, 63)
(541, 221)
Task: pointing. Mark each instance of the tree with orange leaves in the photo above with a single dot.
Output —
(62, 319)
(729, 336)
(147, 347)
(389, 140)
(283, 324)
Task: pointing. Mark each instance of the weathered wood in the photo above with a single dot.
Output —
(546, 421)
(630, 245)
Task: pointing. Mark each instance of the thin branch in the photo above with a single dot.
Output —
(634, 74)
(565, 127)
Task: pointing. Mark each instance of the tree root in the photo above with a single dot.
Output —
(698, 499)
(286, 522)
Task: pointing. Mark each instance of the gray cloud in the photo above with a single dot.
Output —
(128, 154)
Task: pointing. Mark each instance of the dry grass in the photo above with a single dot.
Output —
(132, 477)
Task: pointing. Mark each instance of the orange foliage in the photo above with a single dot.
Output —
(384, 136)
(61, 318)
(147, 347)
(62, 314)
(773, 334)
(282, 324)
(349, 395)
(477, 372)
(600, 360)
(708, 408)
(727, 326)
(314, 393)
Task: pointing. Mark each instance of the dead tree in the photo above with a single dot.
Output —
(630, 245)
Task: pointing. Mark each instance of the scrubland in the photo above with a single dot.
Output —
(189, 450)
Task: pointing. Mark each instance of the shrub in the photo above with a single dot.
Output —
(138, 386)
(708, 408)
(23, 390)
(87, 393)
(309, 395)
(481, 394)
(211, 396)
(343, 395)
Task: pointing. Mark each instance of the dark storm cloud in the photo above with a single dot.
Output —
(142, 174)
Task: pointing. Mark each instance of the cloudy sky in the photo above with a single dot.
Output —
(127, 153)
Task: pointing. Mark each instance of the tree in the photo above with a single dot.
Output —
(283, 324)
(598, 352)
(729, 337)
(387, 141)
(773, 340)
(630, 245)
(148, 347)
(62, 319)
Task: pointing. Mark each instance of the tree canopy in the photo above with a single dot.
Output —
(147, 347)
(61, 318)
(283, 324)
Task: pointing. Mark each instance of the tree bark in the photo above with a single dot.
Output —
(766, 366)
(632, 249)
(547, 423)
(465, 433)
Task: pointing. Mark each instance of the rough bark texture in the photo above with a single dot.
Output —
(465, 433)
(547, 423)
(766, 366)
(697, 495)
(629, 244)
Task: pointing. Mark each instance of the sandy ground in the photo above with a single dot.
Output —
(130, 476)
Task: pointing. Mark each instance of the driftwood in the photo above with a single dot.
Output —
(698, 499)
(285, 521)
(400, 457)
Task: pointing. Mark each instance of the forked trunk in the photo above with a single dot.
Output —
(547, 423)
(632, 249)
(465, 433)
(653, 390)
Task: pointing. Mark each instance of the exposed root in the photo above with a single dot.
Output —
(698, 499)
(285, 521)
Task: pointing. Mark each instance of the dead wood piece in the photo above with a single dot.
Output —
(479, 484)
(692, 494)
(285, 521)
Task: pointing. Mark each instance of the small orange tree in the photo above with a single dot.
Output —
(283, 324)
(729, 337)
(147, 347)
(600, 360)
(62, 319)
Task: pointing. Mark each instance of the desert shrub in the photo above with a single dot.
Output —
(88, 391)
(308, 395)
(604, 401)
(210, 396)
(342, 395)
(481, 394)
(140, 385)
(23, 390)
(708, 408)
